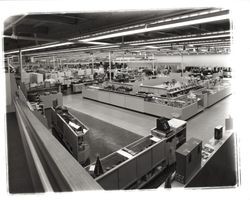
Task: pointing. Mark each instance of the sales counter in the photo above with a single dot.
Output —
(137, 103)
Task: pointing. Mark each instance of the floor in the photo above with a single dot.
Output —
(200, 126)
(104, 138)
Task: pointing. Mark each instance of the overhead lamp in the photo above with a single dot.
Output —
(103, 47)
(96, 43)
(157, 28)
(48, 46)
(182, 39)
(75, 50)
(208, 43)
(11, 52)
(196, 14)
(151, 47)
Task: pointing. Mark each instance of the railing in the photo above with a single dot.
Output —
(51, 166)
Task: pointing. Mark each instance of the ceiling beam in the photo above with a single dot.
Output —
(28, 29)
(199, 28)
(14, 23)
(29, 38)
(52, 19)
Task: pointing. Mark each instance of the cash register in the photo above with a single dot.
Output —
(162, 128)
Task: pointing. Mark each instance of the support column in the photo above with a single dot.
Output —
(109, 66)
(92, 62)
(181, 64)
(21, 64)
(8, 64)
(153, 56)
(54, 62)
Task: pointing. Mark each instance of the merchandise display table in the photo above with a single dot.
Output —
(138, 104)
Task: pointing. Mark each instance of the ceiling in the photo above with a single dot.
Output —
(80, 30)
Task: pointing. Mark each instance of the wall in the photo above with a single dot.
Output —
(223, 60)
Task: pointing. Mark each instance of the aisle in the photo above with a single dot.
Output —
(104, 138)
(200, 126)
(126, 119)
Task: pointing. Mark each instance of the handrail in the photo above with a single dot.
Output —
(43, 177)
(57, 169)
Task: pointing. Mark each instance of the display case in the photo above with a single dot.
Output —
(72, 132)
(217, 92)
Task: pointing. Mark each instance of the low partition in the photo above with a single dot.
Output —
(218, 95)
(134, 103)
(162, 110)
(189, 111)
(121, 172)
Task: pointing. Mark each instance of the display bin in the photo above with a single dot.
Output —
(134, 103)
(189, 111)
(218, 95)
(117, 99)
(104, 96)
(76, 88)
(124, 172)
(90, 93)
(158, 153)
(161, 109)
(127, 174)
(110, 179)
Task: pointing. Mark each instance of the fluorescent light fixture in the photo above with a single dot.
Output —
(151, 47)
(181, 39)
(209, 43)
(48, 46)
(104, 47)
(11, 52)
(164, 46)
(96, 43)
(157, 28)
(72, 50)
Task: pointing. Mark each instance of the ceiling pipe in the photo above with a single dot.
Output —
(15, 37)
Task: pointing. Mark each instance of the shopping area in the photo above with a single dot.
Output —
(135, 100)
